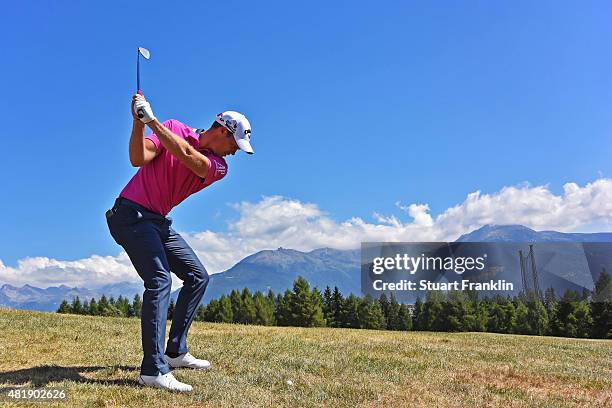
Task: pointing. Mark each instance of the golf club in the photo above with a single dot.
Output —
(146, 55)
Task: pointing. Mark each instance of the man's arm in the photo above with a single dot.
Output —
(177, 146)
(181, 149)
(142, 150)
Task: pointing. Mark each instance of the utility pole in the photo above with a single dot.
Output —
(536, 280)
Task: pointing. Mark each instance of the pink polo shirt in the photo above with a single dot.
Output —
(163, 183)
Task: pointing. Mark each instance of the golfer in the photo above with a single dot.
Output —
(174, 162)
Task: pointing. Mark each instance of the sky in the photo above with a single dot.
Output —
(370, 121)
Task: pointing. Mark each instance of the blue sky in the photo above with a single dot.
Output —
(354, 106)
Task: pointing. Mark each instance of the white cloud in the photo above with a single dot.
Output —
(89, 272)
(278, 221)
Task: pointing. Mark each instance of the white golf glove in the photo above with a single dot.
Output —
(143, 110)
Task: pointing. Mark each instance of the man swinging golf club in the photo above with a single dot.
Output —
(174, 162)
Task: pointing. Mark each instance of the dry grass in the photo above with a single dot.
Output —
(97, 360)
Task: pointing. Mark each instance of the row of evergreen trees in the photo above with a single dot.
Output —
(121, 307)
(569, 316)
(572, 315)
(304, 307)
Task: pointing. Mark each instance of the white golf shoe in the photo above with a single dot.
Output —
(188, 361)
(164, 381)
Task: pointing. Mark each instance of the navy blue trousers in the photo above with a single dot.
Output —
(155, 249)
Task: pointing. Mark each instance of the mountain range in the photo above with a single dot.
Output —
(277, 269)
(519, 233)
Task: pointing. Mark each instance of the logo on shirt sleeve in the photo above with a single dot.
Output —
(220, 170)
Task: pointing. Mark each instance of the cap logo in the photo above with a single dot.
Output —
(232, 125)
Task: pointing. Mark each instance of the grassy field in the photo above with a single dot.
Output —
(96, 359)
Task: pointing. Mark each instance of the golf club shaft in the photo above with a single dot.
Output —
(146, 55)
(140, 115)
(138, 71)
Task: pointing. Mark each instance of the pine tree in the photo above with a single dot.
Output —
(328, 306)
(509, 317)
(405, 318)
(122, 305)
(318, 297)
(450, 317)
(226, 314)
(137, 305)
(551, 305)
(432, 309)
(495, 317)
(350, 312)
(417, 318)
(248, 313)
(85, 307)
(306, 306)
(200, 313)
(211, 313)
(93, 307)
(601, 307)
(584, 321)
(537, 317)
(236, 301)
(566, 315)
(337, 305)
(393, 310)
(264, 311)
(64, 307)
(522, 324)
(280, 308)
(370, 314)
(119, 304)
(130, 312)
(271, 298)
(76, 307)
(457, 313)
(384, 305)
(103, 306)
(481, 316)
(283, 309)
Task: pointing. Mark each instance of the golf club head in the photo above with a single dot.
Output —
(144, 52)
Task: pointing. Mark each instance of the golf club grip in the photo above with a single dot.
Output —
(139, 112)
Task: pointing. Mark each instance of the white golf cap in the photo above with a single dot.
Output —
(239, 126)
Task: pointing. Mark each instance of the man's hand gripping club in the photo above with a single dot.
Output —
(141, 109)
